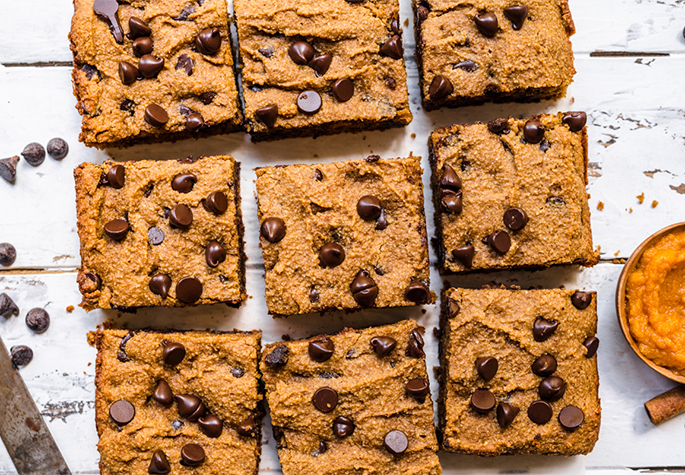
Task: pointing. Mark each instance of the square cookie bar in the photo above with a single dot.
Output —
(315, 68)
(178, 402)
(344, 235)
(519, 372)
(165, 233)
(148, 71)
(511, 193)
(355, 402)
(492, 50)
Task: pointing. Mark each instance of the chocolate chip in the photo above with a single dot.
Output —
(8, 254)
(143, 46)
(364, 289)
(137, 28)
(449, 179)
(383, 345)
(95, 279)
(581, 300)
(331, 255)
(487, 367)
(499, 241)
(159, 463)
(325, 399)
(116, 176)
(591, 343)
(21, 355)
(395, 26)
(396, 442)
(506, 413)
(540, 412)
(451, 201)
(192, 455)
(415, 345)
(321, 63)
(464, 255)
(149, 66)
(313, 295)
(452, 308)
(321, 349)
(575, 120)
(127, 105)
(90, 71)
(107, 9)
(173, 353)
(34, 154)
(160, 285)
(117, 229)
(186, 63)
(556, 201)
(301, 52)
(552, 388)
(208, 41)
(515, 218)
(7, 306)
(156, 116)
(58, 148)
(343, 427)
(440, 87)
(391, 83)
(8, 168)
(190, 406)
(266, 52)
(268, 115)
(278, 356)
(214, 254)
(177, 424)
(482, 401)
(517, 15)
(533, 131)
(194, 121)
(181, 216)
(163, 394)
(486, 24)
(309, 102)
(318, 174)
(189, 290)
(155, 235)
(216, 202)
(273, 229)
(38, 320)
(417, 292)
(468, 65)
(543, 329)
(248, 427)
(211, 425)
(343, 89)
(499, 126)
(207, 97)
(369, 208)
(237, 372)
(571, 417)
(122, 412)
(418, 388)
(382, 221)
(545, 365)
(393, 48)
(128, 73)
(186, 12)
(184, 182)
(323, 447)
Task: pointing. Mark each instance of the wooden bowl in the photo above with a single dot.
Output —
(621, 303)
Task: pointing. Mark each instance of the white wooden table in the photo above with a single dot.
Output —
(631, 64)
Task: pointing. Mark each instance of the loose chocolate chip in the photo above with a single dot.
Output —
(248, 427)
(155, 235)
(38, 320)
(482, 401)
(207, 97)
(499, 241)
(149, 66)
(137, 28)
(418, 388)
(208, 41)
(122, 412)
(515, 218)
(575, 120)
(8, 254)
(417, 292)
(451, 201)
(278, 356)
(343, 427)
(21, 355)
(186, 63)
(268, 114)
(95, 279)
(163, 394)
(273, 229)
(396, 442)
(486, 24)
(449, 179)
(540, 412)
(321, 63)
(468, 65)
(173, 353)
(313, 295)
(34, 154)
(452, 308)
(143, 46)
(7, 306)
(156, 116)
(440, 87)
(181, 216)
(189, 290)
(160, 285)
(506, 413)
(325, 399)
(159, 463)
(543, 329)
(216, 202)
(192, 455)
(331, 255)
(8, 168)
(58, 148)
(364, 289)
(214, 254)
(581, 300)
(184, 182)
(552, 388)
(393, 48)
(301, 52)
(128, 73)
(343, 89)
(487, 367)
(571, 417)
(383, 345)
(211, 425)
(545, 365)
(309, 102)
(321, 349)
(499, 126)
(533, 131)
(517, 15)
(591, 343)
(464, 255)
(116, 176)
(107, 9)
(190, 406)
(369, 208)
(415, 345)
(194, 121)
(117, 229)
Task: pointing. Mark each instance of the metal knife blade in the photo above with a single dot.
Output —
(22, 428)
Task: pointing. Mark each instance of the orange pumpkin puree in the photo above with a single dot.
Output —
(656, 302)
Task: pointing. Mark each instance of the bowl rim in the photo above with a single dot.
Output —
(621, 313)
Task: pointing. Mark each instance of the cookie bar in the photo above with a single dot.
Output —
(178, 402)
(519, 372)
(344, 235)
(492, 50)
(315, 68)
(360, 398)
(511, 193)
(165, 233)
(152, 71)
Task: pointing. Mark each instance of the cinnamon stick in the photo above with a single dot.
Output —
(667, 405)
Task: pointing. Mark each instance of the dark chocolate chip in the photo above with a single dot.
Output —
(515, 219)
(122, 412)
(184, 182)
(325, 399)
(208, 41)
(321, 349)
(211, 425)
(369, 208)
(418, 388)
(95, 279)
(163, 394)
(248, 427)
(571, 417)
(343, 427)
(464, 255)
(8, 254)
(266, 52)
(116, 176)
(364, 289)
(395, 26)
(173, 353)
(556, 201)
(38, 320)
(482, 401)
(581, 300)
(91, 71)
(128, 73)
(207, 97)
(177, 424)
(449, 179)
(160, 284)
(189, 290)
(544, 146)
(137, 28)
(415, 345)
(268, 114)
(540, 412)
(143, 46)
(237, 372)
(452, 308)
(506, 413)
(215, 254)
(34, 154)
(186, 12)
(8, 168)
(159, 463)
(58, 148)
(321, 63)
(517, 15)
(313, 295)
(393, 48)
(592, 344)
(452, 201)
(331, 255)
(318, 174)
(533, 131)
(309, 102)
(186, 63)
(149, 66)
(383, 345)
(7, 306)
(190, 406)
(156, 116)
(468, 65)
(194, 121)
(273, 229)
(545, 365)
(21, 355)
(499, 241)
(117, 229)
(192, 455)
(155, 235)
(575, 120)
(278, 356)
(487, 367)
(127, 105)
(107, 10)
(180, 216)
(552, 388)
(391, 83)
(499, 126)
(417, 292)
(382, 221)
(216, 202)
(301, 52)
(543, 329)
(486, 24)
(440, 87)
(343, 89)
(396, 442)
(323, 447)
